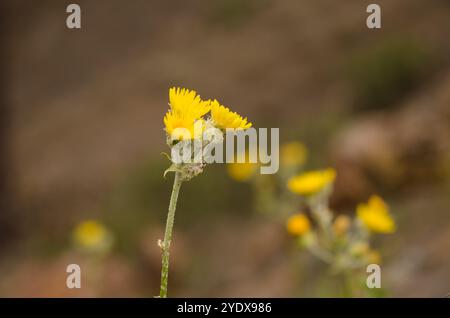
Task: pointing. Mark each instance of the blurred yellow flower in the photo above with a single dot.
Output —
(224, 118)
(375, 215)
(298, 224)
(311, 182)
(293, 154)
(374, 257)
(241, 172)
(92, 235)
(341, 224)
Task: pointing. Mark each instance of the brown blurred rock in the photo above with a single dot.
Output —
(397, 149)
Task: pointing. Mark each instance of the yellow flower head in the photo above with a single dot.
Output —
(298, 224)
(293, 154)
(92, 235)
(186, 110)
(180, 127)
(187, 104)
(375, 215)
(241, 172)
(374, 257)
(341, 225)
(311, 182)
(224, 118)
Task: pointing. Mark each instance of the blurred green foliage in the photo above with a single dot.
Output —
(387, 71)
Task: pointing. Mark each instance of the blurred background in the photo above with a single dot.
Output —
(82, 132)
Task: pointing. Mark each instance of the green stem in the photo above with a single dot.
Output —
(165, 245)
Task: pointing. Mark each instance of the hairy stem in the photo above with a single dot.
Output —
(165, 244)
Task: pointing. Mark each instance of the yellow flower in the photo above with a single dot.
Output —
(187, 104)
(341, 225)
(224, 118)
(293, 154)
(298, 224)
(375, 215)
(311, 182)
(373, 257)
(179, 127)
(186, 110)
(241, 172)
(92, 235)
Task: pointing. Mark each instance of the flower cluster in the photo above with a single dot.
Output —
(341, 241)
(187, 108)
(301, 200)
(187, 121)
